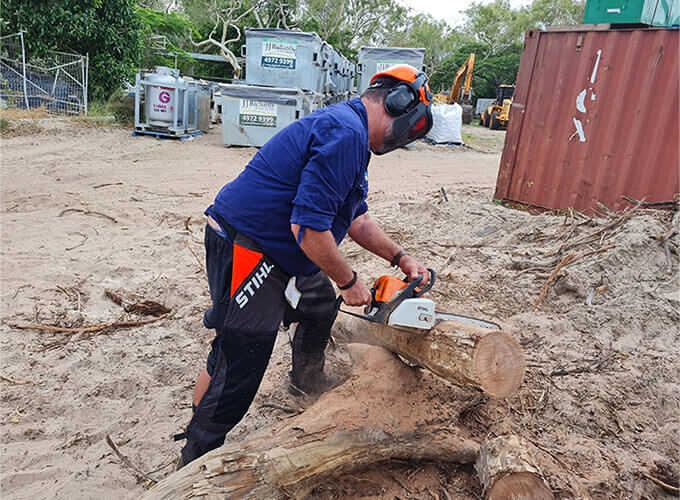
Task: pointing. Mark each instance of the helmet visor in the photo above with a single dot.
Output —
(407, 128)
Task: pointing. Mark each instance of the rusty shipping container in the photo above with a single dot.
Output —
(594, 118)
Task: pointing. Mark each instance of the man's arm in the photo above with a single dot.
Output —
(321, 249)
(366, 233)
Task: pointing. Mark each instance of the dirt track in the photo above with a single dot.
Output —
(84, 210)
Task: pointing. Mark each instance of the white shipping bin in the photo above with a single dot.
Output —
(284, 58)
(253, 114)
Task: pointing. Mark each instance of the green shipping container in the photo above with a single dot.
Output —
(649, 12)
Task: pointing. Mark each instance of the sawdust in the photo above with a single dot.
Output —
(615, 413)
(601, 389)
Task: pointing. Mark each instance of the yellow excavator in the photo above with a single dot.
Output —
(461, 89)
(497, 115)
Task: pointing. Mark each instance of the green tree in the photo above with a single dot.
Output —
(498, 31)
(436, 36)
(164, 37)
(497, 24)
(491, 69)
(543, 13)
(349, 24)
(218, 26)
(110, 31)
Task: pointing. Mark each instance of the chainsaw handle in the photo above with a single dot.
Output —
(429, 285)
(338, 302)
(410, 289)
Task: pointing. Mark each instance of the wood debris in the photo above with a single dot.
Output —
(143, 308)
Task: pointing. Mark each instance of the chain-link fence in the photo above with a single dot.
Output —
(56, 82)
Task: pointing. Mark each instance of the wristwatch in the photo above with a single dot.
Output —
(397, 258)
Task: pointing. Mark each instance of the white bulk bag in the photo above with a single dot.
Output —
(447, 120)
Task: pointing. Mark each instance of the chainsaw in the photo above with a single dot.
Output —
(399, 303)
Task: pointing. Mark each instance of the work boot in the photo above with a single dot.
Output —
(308, 378)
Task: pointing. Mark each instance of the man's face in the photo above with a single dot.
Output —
(409, 127)
(387, 141)
(380, 127)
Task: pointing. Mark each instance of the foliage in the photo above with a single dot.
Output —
(497, 25)
(164, 33)
(543, 13)
(110, 31)
(434, 35)
(491, 69)
(122, 107)
(349, 24)
(497, 31)
(124, 35)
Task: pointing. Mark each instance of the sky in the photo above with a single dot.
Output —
(448, 10)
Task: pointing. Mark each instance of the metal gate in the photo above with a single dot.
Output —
(56, 82)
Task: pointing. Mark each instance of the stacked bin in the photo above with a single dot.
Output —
(336, 72)
(337, 76)
(352, 68)
(373, 60)
(282, 58)
(252, 114)
(286, 76)
(290, 74)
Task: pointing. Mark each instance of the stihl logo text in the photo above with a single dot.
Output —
(248, 290)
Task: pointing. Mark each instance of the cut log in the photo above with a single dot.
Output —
(508, 471)
(465, 355)
(385, 410)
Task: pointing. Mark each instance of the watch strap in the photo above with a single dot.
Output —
(397, 258)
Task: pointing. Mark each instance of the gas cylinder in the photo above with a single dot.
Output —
(160, 99)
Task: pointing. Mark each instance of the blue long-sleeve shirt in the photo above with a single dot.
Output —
(312, 173)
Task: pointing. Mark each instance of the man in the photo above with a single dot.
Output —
(272, 245)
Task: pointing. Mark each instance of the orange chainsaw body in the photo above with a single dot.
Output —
(386, 287)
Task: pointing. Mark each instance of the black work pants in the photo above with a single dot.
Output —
(247, 292)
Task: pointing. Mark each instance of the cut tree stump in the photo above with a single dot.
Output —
(385, 410)
(468, 356)
(507, 470)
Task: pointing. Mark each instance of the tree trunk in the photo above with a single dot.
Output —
(465, 355)
(385, 410)
(508, 472)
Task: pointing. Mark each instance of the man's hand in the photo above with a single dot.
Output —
(412, 268)
(321, 248)
(358, 295)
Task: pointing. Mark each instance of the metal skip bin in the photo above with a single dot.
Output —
(594, 117)
(372, 60)
(251, 114)
(283, 58)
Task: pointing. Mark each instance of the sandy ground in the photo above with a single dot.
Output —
(87, 209)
